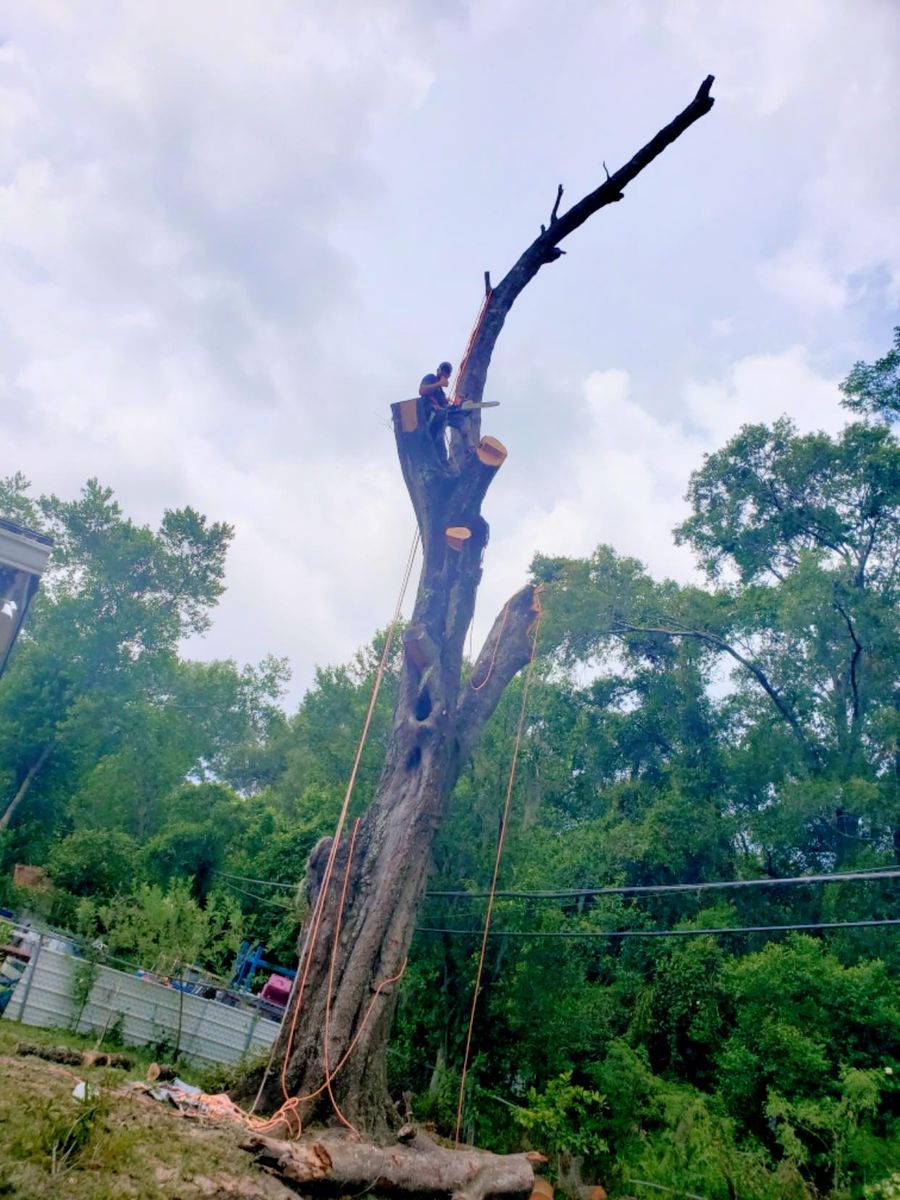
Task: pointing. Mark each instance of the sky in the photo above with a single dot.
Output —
(231, 235)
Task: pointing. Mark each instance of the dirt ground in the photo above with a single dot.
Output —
(111, 1146)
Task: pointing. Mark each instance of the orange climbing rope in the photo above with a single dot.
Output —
(476, 687)
(288, 1112)
(331, 965)
(500, 840)
(455, 398)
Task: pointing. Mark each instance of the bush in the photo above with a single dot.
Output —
(165, 930)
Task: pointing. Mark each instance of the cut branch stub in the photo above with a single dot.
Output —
(457, 536)
(409, 414)
(491, 452)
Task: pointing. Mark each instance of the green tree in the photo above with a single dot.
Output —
(99, 717)
(114, 603)
(197, 823)
(873, 389)
(166, 930)
(93, 862)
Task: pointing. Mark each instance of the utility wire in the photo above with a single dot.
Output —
(833, 877)
(263, 882)
(648, 889)
(651, 933)
(261, 899)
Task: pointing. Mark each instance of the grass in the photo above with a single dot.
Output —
(109, 1146)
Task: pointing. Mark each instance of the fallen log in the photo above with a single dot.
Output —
(161, 1072)
(59, 1054)
(74, 1058)
(100, 1058)
(335, 1160)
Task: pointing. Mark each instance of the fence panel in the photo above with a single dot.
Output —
(144, 1013)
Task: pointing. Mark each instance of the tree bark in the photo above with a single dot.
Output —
(419, 1166)
(341, 1030)
(433, 729)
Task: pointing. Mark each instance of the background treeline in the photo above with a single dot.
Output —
(744, 727)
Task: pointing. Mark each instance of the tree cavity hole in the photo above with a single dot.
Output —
(423, 705)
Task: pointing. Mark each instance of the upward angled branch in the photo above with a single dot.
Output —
(545, 249)
(508, 648)
(24, 786)
(810, 753)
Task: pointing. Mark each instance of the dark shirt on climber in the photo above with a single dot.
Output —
(432, 388)
(435, 396)
(439, 411)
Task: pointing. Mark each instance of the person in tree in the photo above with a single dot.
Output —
(432, 386)
(439, 411)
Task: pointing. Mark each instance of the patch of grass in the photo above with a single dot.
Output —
(112, 1146)
(224, 1076)
(62, 1135)
(12, 1032)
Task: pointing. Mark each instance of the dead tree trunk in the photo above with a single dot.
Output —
(415, 1165)
(436, 724)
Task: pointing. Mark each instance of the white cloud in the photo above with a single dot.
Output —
(761, 388)
(168, 183)
(824, 73)
(801, 275)
(231, 234)
(627, 469)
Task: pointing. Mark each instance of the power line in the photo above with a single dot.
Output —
(263, 882)
(651, 933)
(261, 899)
(623, 890)
(659, 888)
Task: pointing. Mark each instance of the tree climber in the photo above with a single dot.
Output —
(440, 412)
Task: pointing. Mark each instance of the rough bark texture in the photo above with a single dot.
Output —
(418, 1167)
(436, 725)
(433, 728)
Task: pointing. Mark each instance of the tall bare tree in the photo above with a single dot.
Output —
(436, 724)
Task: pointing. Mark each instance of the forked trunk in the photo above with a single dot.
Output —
(369, 911)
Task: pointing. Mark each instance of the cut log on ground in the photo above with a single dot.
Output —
(74, 1058)
(334, 1160)
(161, 1072)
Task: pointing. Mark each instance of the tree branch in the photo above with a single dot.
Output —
(24, 787)
(809, 751)
(507, 649)
(854, 662)
(545, 249)
(555, 211)
(333, 1161)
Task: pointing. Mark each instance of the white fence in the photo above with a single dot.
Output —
(144, 1013)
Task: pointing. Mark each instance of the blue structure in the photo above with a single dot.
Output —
(249, 961)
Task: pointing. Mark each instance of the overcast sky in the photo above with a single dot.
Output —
(231, 234)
